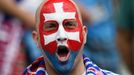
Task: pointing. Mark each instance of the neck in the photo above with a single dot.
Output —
(78, 69)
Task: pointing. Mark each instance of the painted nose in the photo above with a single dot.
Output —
(61, 34)
(62, 39)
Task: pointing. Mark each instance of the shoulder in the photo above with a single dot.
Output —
(38, 66)
(93, 69)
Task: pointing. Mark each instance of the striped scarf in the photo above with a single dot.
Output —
(38, 68)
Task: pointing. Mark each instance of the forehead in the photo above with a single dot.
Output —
(48, 7)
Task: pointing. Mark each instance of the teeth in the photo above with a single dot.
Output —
(63, 58)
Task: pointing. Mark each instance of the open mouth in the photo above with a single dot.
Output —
(63, 53)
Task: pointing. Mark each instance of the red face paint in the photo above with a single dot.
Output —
(55, 14)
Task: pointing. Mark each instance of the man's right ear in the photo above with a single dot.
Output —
(35, 37)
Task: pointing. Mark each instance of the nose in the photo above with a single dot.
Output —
(61, 37)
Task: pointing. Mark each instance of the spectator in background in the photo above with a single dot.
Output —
(125, 18)
(14, 20)
(31, 7)
(11, 8)
(101, 37)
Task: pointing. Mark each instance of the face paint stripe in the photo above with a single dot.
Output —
(49, 38)
(73, 36)
(70, 35)
(57, 6)
(56, 16)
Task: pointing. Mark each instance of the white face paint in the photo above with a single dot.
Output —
(61, 33)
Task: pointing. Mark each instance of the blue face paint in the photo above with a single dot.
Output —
(62, 67)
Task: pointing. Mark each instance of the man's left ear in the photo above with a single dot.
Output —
(35, 37)
(85, 33)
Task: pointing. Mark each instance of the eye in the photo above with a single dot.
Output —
(70, 24)
(50, 26)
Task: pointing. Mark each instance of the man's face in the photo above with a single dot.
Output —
(61, 34)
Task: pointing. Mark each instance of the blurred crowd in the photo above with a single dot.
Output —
(110, 39)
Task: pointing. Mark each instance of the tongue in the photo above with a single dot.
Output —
(63, 53)
(63, 58)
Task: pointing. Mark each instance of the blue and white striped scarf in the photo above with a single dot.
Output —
(38, 68)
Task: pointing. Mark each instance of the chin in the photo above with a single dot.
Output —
(62, 67)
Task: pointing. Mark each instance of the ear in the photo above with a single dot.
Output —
(35, 37)
(85, 33)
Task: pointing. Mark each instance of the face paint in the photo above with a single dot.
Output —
(58, 13)
(60, 29)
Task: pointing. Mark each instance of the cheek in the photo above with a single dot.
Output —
(75, 45)
(50, 47)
